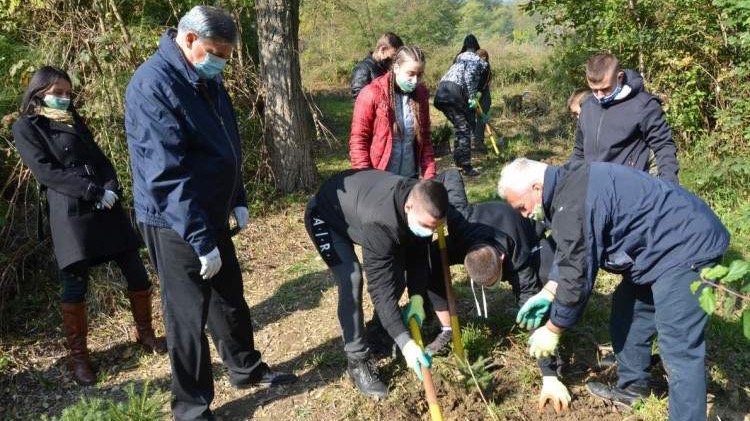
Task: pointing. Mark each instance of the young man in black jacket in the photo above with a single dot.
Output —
(393, 219)
(621, 122)
(376, 63)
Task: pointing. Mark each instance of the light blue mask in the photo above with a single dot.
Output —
(210, 67)
(418, 229)
(57, 102)
(611, 97)
(406, 85)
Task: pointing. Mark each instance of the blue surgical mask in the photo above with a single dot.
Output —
(611, 97)
(416, 228)
(57, 102)
(210, 67)
(406, 85)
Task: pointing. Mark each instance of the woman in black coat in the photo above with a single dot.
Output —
(87, 221)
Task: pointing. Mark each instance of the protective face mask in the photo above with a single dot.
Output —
(406, 85)
(57, 102)
(611, 97)
(210, 67)
(538, 213)
(418, 229)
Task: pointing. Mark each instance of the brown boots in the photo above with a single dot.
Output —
(140, 305)
(76, 328)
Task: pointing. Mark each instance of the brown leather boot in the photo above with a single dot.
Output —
(140, 305)
(76, 328)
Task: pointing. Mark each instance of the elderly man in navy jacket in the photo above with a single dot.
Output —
(654, 233)
(186, 160)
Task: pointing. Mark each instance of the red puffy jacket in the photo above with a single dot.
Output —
(371, 139)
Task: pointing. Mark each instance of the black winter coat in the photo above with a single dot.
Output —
(624, 131)
(365, 72)
(367, 206)
(74, 172)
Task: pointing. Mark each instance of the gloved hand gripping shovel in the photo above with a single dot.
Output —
(458, 346)
(429, 387)
(490, 131)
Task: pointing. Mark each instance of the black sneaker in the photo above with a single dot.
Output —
(440, 343)
(625, 398)
(364, 374)
(469, 171)
(268, 378)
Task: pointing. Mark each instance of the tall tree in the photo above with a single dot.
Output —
(289, 129)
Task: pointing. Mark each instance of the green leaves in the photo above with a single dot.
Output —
(714, 273)
(707, 300)
(746, 323)
(738, 270)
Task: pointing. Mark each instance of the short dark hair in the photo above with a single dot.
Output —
(601, 65)
(432, 197)
(483, 263)
(389, 39)
(42, 80)
(578, 96)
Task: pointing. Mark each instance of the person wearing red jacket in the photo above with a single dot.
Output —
(391, 121)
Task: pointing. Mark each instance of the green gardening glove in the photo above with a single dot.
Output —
(543, 342)
(485, 117)
(474, 100)
(415, 309)
(532, 313)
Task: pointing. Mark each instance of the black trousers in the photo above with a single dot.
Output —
(189, 304)
(464, 123)
(75, 277)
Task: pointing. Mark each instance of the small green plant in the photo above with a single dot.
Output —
(477, 339)
(733, 282)
(146, 405)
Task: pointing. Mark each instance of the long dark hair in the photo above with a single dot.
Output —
(41, 81)
(470, 43)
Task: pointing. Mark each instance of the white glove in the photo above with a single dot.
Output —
(543, 342)
(108, 199)
(242, 215)
(415, 357)
(210, 263)
(554, 392)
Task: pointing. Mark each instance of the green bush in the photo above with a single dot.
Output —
(146, 405)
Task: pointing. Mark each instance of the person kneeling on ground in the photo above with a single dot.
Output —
(393, 219)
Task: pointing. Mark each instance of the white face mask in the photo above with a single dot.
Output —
(538, 213)
(416, 228)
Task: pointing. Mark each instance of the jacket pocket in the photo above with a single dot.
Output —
(619, 262)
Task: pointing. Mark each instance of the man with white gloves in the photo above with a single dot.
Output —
(658, 236)
(185, 153)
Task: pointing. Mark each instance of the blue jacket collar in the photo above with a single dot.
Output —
(551, 175)
(172, 54)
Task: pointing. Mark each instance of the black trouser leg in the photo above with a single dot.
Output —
(132, 268)
(463, 125)
(185, 299)
(75, 282)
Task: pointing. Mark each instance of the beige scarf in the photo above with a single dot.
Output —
(54, 114)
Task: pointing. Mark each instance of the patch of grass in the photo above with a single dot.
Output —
(326, 359)
(651, 409)
(145, 405)
(477, 340)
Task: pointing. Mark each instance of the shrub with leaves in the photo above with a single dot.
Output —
(726, 288)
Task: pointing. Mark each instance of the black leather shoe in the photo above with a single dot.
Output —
(469, 171)
(626, 397)
(365, 376)
(266, 377)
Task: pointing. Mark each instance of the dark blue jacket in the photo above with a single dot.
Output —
(184, 148)
(623, 131)
(629, 223)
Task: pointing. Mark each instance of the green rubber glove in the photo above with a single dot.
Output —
(543, 342)
(485, 117)
(414, 309)
(532, 313)
(474, 100)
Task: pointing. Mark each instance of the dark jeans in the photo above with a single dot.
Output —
(75, 277)
(189, 304)
(668, 309)
(464, 121)
(485, 102)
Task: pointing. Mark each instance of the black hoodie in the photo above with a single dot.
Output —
(623, 131)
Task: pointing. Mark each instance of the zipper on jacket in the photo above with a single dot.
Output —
(215, 111)
(598, 129)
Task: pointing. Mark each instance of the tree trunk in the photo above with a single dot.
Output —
(289, 130)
